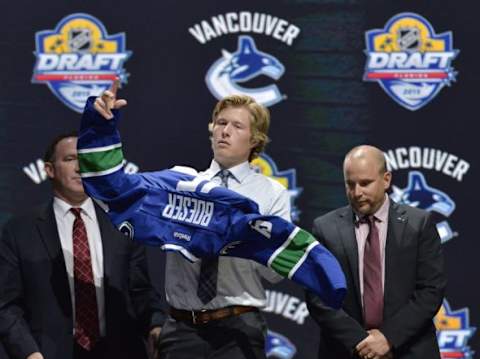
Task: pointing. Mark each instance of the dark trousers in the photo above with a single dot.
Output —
(237, 337)
(98, 351)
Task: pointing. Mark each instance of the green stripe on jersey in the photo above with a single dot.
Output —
(287, 258)
(99, 161)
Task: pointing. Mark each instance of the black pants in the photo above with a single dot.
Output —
(238, 337)
(125, 347)
(97, 352)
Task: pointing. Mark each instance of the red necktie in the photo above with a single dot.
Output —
(87, 330)
(372, 278)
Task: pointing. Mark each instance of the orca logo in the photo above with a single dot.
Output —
(127, 229)
(453, 332)
(409, 60)
(79, 59)
(279, 346)
(419, 194)
(225, 75)
(262, 227)
(225, 250)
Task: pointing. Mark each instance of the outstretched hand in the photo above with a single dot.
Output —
(105, 103)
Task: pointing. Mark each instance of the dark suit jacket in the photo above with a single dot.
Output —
(414, 285)
(35, 303)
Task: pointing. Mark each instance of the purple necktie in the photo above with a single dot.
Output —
(372, 278)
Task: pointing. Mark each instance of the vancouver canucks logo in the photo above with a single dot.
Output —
(264, 164)
(227, 73)
(79, 59)
(419, 194)
(127, 229)
(453, 332)
(409, 60)
(279, 346)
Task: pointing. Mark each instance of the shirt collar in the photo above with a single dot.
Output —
(238, 172)
(382, 212)
(63, 208)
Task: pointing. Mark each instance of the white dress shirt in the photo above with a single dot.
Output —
(65, 218)
(361, 233)
(239, 280)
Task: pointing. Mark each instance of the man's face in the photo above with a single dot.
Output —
(365, 185)
(64, 172)
(231, 136)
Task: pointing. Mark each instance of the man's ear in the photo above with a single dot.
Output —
(49, 169)
(387, 178)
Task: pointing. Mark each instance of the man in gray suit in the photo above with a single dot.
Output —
(392, 259)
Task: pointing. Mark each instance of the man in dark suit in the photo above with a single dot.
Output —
(392, 259)
(71, 285)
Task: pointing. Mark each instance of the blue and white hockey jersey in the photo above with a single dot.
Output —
(181, 212)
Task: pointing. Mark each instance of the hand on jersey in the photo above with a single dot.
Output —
(105, 103)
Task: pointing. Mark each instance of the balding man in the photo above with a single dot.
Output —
(392, 259)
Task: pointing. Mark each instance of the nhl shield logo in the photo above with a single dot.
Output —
(409, 39)
(409, 60)
(78, 59)
(80, 40)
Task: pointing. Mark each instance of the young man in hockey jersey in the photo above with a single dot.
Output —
(214, 303)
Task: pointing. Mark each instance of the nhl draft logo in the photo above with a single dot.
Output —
(409, 60)
(279, 346)
(419, 194)
(265, 165)
(79, 59)
(453, 332)
(246, 63)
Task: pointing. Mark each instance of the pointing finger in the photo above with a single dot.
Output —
(115, 86)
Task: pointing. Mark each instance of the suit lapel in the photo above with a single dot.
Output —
(349, 241)
(397, 220)
(47, 228)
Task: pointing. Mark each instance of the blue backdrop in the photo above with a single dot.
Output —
(401, 75)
